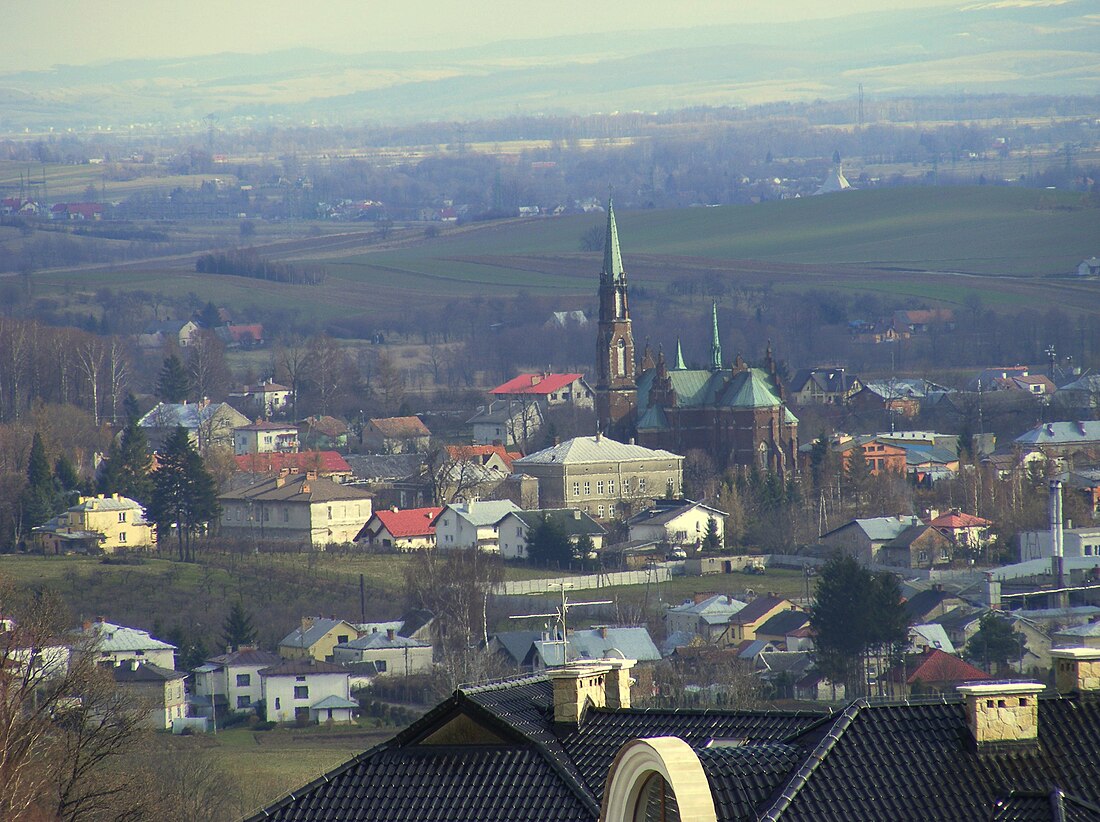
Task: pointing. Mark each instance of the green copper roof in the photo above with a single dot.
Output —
(680, 366)
(715, 343)
(653, 419)
(612, 257)
(750, 389)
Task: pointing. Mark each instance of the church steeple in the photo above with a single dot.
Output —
(612, 258)
(680, 366)
(715, 342)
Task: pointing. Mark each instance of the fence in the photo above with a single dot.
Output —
(584, 582)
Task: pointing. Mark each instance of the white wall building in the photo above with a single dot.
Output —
(1076, 542)
(677, 522)
(298, 688)
(392, 655)
(234, 675)
(516, 527)
(472, 524)
(117, 644)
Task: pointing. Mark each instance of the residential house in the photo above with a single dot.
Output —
(874, 333)
(515, 529)
(76, 211)
(865, 538)
(241, 335)
(1089, 267)
(989, 379)
(603, 477)
(509, 422)
(891, 397)
(918, 546)
(569, 745)
(306, 690)
(782, 669)
(396, 435)
(100, 523)
(302, 508)
(315, 637)
(233, 677)
(268, 399)
(328, 464)
(881, 457)
(705, 615)
(548, 389)
(516, 647)
(417, 623)
(964, 530)
(743, 625)
(159, 691)
(677, 522)
(926, 466)
(931, 604)
(210, 425)
(394, 530)
(924, 320)
(262, 437)
(396, 480)
(824, 385)
(117, 644)
(931, 672)
(632, 642)
(781, 625)
(392, 655)
(178, 332)
(323, 433)
(1063, 441)
(1079, 636)
(474, 524)
(930, 635)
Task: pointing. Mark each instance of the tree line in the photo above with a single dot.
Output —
(247, 262)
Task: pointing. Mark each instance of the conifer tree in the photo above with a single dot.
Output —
(128, 466)
(184, 495)
(548, 544)
(237, 630)
(41, 499)
(172, 384)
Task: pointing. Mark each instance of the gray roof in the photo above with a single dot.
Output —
(301, 667)
(580, 450)
(935, 635)
(118, 638)
(294, 488)
(380, 641)
(517, 644)
(145, 672)
(107, 503)
(633, 643)
(795, 663)
(1061, 433)
(667, 510)
(1091, 629)
(385, 466)
(333, 701)
(189, 415)
(483, 512)
(879, 529)
(505, 411)
(318, 629)
(719, 605)
(573, 521)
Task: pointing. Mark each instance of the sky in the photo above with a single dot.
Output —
(37, 34)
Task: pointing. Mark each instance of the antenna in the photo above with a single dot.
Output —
(562, 615)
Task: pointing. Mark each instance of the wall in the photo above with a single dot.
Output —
(279, 697)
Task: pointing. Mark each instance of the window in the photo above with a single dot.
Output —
(121, 536)
(656, 801)
(599, 511)
(641, 485)
(267, 439)
(266, 515)
(301, 692)
(670, 486)
(299, 679)
(611, 487)
(380, 666)
(278, 703)
(576, 489)
(599, 487)
(286, 514)
(244, 680)
(341, 639)
(139, 653)
(243, 703)
(587, 488)
(330, 512)
(519, 530)
(923, 556)
(122, 516)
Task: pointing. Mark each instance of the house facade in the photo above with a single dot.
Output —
(265, 438)
(677, 522)
(547, 389)
(412, 529)
(315, 638)
(267, 399)
(391, 654)
(100, 523)
(302, 508)
(235, 676)
(117, 645)
(304, 690)
(516, 528)
(209, 425)
(474, 524)
(601, 476)
(158, 690)
(396, 435)
(508, 422)
(824, 385)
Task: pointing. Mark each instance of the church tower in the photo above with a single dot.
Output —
(616, 387)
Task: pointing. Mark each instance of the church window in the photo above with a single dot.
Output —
(656, 801)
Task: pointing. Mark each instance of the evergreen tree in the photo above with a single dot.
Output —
(548, 544)
(711, 541)
(184, 494)
(41, 498)
(995, 643)
(127, 469)
(237, 630)
(130, 407)
(858, 478)
(68, 482)
(209, 318)
(172, 384)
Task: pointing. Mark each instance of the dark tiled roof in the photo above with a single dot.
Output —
(300, 667)
(742, 777)
(1052, 806)
(145, 672)
(755, 609)
(783, 623)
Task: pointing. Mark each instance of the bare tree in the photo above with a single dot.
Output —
(89, 359)
(291, 362)
(118, 374)
(208, 372)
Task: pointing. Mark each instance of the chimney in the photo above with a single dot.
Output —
(280, 480)
(576, 513)
(1076, 670)
(389, 634)
(1002, 712)
(135, 664)
(307, 623)
(575, 687)
(1057, 568)
(619, 682)
(701, 595)
(603, 632)
(599, 435)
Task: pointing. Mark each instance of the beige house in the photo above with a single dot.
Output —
(601, 476)
(158, 691)
(396, 435)
(301, 508)
(265, 438)
(266, 399)
(118, 645)
(316, 637)
(100, 523)
(209, 424)
(391, 654)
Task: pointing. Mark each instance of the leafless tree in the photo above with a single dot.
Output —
(118, 374)
(291, 362)
(206, 366)
(90, 359)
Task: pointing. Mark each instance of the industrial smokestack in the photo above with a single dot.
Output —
(1057, 566)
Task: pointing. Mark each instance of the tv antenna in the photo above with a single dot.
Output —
(562, 616)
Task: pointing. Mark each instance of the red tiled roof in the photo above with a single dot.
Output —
(255, 332)
(329, 426)
(412, 522)
(482, 453)
(956, 519)
(401, 427)
(938, 667)
(323, 462)
(537, 384)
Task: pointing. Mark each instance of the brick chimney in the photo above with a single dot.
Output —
(1076, 670)
(575, 686)
(1002, 712)
(307, 623)
(389, 634)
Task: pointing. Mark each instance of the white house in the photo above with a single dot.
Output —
(677, 522)
(234, 675)
(702, 613)
(306, 690)
(411, 529)
(265, 438)
(392, 654)
(472, 524)
(516, 527)
(506, 421)
(117, 644)
(1089, 267)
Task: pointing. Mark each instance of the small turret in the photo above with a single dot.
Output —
(715, 342)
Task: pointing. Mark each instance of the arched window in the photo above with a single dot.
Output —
(656, 801)
(621, 352)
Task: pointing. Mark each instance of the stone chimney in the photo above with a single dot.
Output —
(389, 634)
(307, 623)
(619, 682)
(575, 686)
(1002, 712)
(1076, 670)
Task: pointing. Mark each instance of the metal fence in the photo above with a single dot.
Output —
(584, 582)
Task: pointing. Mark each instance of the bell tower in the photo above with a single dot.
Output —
(616, 386)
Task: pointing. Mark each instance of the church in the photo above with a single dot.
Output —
(736, 413)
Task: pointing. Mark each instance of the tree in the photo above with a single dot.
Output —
(64, 728)
(127, 469)
(711, 540)
(207, 372)
(41, 499)
(172, 383)
(237, 630)
(209, 318)
(995, 643)
(184, 495)
(856, 615)
(548, 544)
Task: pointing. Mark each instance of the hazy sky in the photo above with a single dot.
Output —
(36, 34)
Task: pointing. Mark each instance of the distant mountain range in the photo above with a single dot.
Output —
(1015, 46)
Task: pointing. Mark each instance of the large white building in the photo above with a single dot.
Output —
(234, 677)
(474, 524)
(118, 644)
(306, 690)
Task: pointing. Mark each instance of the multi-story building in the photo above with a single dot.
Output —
(116, 644)
(305, 690)
(265, 438)
(234, 676)
(100, 523)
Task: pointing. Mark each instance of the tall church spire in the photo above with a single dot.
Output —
(612, 257)
(715, 343)
(680, 366)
